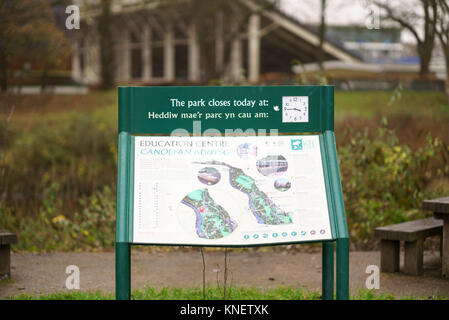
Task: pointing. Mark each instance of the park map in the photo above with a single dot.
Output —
(253, 194)
(214, 222)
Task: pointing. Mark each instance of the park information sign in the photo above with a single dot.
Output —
(229, 166)
(229, 190)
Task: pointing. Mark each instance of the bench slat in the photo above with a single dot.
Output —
(7, 237)
(437, 205)
(410, 231)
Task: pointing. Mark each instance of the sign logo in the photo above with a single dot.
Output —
(296, 144)
(302, 144)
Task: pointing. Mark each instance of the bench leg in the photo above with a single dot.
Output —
(5, 260)
(445, 249)
(389, 257)
(413, 261)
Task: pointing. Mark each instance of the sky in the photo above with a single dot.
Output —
(339, 12)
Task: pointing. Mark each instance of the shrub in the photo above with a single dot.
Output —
(91, 228)
(383, 181)
(77, 151)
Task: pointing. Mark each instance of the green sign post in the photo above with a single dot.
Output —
(230, 167)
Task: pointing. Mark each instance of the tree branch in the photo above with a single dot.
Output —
(392, 16)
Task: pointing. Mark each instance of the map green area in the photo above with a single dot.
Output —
(261, 205)
(212, 220)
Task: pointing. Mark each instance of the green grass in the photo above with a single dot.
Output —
(371, 103)
(214, 293)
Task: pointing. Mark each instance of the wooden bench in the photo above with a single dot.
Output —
(413, 233)
(6, 239)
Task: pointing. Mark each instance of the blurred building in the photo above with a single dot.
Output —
(376, 46)
(387, 61)
(159, 43)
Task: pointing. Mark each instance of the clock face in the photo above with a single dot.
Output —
(295, 109)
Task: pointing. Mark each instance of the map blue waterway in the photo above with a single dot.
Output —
(212, 220)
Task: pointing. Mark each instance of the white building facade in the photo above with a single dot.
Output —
(156, 42)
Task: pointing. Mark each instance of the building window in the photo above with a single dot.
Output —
(81, 57)
(181, 62)
(82, 63)
(136, 63)
(158, 62)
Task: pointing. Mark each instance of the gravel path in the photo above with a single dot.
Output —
(45, 273)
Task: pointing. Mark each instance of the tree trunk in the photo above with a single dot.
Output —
(44, 79)
(425, 55)
(445, 45)
(424, 68)
(106, 45)
(425, 47)
(447, 85)
(3, 72)
(447, 78)
(322, 34)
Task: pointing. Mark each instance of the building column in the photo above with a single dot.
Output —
(92, 59)
(219, 43)
(146, 53)
(236, 59)
(236, 53)
(254, 48)
(125, 60)
(194, 55)
(169, 54)
(118, 48)
(76, 68)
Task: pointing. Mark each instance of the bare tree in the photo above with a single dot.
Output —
(443, 35)
(49, 49)
(106, 45)
(406, 16)
(322, 34)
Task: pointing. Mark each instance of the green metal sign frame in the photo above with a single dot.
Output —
(150, 110)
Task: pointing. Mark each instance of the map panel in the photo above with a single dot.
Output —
(229, 190)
